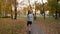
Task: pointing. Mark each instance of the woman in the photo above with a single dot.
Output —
(30, 19)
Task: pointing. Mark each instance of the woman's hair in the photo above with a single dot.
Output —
(29, 12)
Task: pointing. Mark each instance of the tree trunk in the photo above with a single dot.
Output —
(5, 13)
(44, 15)
(11, 13)
(59, 14)
(15, 14)
(35, 15)
(56, 11)
(15, 10)
(56, 14)
(43, 8)
(43, 11)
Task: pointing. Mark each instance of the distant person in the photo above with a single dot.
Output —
(30, 19)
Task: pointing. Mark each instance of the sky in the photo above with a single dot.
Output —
(32, 1)
(25, 3)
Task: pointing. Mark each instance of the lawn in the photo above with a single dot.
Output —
(49, 25)
(11, 26)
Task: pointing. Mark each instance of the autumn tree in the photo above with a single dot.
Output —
(53, 4)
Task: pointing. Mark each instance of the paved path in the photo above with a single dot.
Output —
(36, 29)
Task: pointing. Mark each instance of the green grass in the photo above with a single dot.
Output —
(49, 25)
(9, 26)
